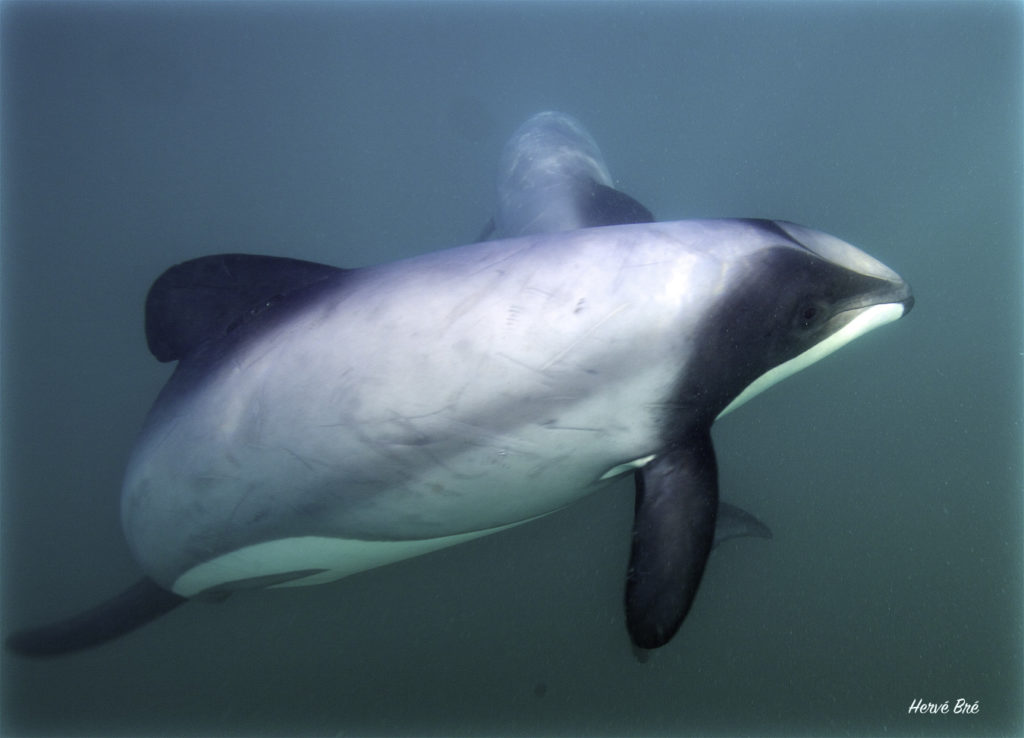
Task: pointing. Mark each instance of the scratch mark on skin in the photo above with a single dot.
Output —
(235, 511)
(495, 263)
(310, 464)
(211, 479)
(590, 331)
(552, 426)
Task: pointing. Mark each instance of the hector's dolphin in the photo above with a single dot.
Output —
(552, 177)
(321, 421)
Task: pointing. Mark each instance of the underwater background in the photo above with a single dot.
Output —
(138, 135)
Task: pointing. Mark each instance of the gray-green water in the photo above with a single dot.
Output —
(136, 136)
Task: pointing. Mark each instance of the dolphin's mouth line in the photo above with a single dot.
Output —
(866, 319)
(902, 297)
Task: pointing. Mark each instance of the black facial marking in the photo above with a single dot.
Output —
(782, 305)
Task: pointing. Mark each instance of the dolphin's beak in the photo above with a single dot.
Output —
(908, 302)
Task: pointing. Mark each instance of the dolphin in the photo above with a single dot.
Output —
(552, 177)
(322, 421)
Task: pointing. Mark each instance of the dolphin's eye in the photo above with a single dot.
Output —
(809, 315)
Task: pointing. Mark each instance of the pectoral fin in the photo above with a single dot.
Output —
(735, 522)
(673, 530)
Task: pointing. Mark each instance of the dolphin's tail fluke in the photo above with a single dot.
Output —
(142, 602)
